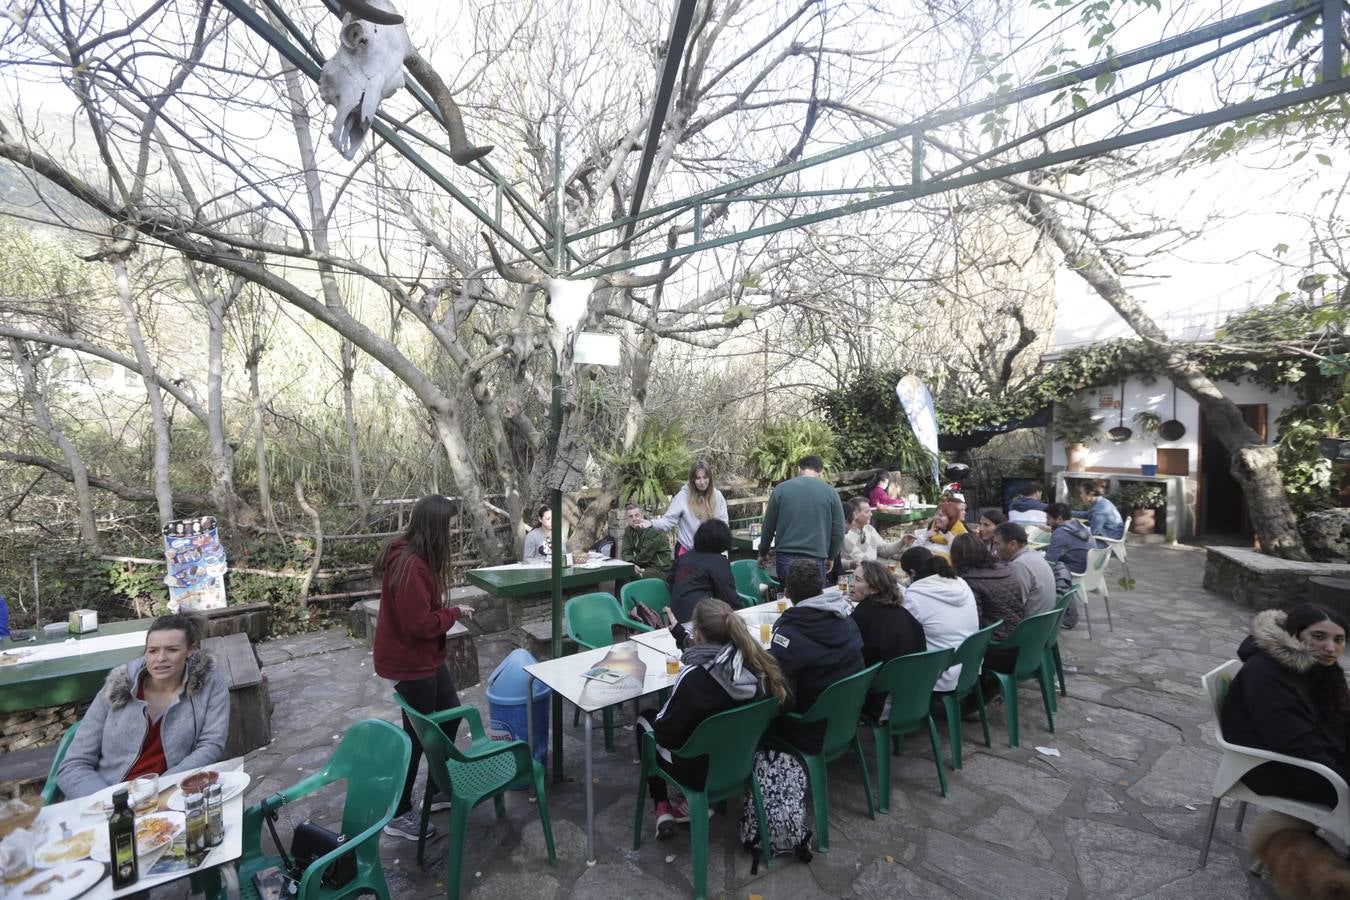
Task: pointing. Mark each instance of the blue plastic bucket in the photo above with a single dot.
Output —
(507, 708)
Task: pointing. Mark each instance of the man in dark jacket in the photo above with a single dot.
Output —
(1070, 539)
(646, 548)
(816, 643)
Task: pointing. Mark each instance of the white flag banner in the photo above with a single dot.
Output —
(918, 405)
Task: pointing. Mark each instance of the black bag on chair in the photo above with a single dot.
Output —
(312, 841)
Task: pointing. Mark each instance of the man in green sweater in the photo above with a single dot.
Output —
(646, 548)
(807, 518)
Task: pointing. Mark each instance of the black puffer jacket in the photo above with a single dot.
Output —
(998, 596)
(816, 643)
(1271, 706)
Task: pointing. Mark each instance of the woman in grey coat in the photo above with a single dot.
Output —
(164, 712)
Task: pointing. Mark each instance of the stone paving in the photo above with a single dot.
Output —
(1118, 813)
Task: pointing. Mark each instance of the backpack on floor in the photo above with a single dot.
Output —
(782, 782)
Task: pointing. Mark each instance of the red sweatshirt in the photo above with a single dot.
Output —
(410, 631)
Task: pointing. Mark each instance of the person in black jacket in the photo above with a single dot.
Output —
(888, 629)
(816, 643)
(722, 667)
(998, 595)
(704, 571)
(1291, 697)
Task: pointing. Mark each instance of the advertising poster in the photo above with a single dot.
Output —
(196, 574)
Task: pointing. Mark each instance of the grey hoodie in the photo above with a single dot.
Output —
(727, 667)
(193, 729)
(1069, 544)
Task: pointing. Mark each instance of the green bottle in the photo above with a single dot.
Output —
(122, 842)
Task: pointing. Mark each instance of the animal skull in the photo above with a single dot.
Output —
(367, 68)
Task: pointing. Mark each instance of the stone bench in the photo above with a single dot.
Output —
(1258, 581)
(537, 637)
(461, 653)
(250, 703)
(252, 619)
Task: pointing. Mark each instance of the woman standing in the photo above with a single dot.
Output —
(696, 503)
(1290, 697)
(414, 570)
(167, 711)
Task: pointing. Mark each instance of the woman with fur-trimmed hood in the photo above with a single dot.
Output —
(1290, 697)
(164, 712)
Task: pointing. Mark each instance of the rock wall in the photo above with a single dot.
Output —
(1256, 581)
(37, 727)
(1326, 534)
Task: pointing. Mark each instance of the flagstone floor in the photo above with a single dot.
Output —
(1117, 813)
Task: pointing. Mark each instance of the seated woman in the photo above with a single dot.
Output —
(942, 603)
(1291, 697)
(1103, 517)
(539, 542)
(167, 711)
(703, 571)
(998, 594)
(896, 488)
(888, 629)
(877, 490)
(990, 518)
(723, 667)
(945, 526)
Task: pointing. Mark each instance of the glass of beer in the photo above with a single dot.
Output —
(782, 606)
(764, 632)
(672, 665)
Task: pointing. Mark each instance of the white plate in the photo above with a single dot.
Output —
(76, 878)
(232, 784)
(52, 841)
(100, 852)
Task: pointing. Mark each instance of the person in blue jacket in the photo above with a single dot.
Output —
(1104, 519)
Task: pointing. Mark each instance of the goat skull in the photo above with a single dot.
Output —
(367, 68)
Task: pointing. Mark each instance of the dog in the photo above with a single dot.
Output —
(1302, 865)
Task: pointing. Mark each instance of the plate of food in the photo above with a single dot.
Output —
(14, 657)
(66, 880)
(232, 784)
(57, 850)
(153, 833)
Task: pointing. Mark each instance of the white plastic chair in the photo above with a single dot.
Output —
(1094, 579)
(1117, 547)
(1238, 761)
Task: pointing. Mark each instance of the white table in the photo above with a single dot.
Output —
(76, 814)
(564, 677)
(662, 641)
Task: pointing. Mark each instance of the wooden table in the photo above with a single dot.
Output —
(564, 677)
(75, 675)
(76, 814)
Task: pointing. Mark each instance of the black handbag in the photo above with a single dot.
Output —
(309, 843)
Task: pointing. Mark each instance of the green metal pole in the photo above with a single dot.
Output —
(555, 431)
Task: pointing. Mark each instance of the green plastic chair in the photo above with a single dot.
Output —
(909, 680)
(590, 619)
(654, 592)
(969, 656)
(372, 758)
(728, 740)
(749, 577)
(51, 793)
(1031, 639)
(839, 706)
(486, 769)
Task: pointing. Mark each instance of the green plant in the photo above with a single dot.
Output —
(1149, 423)
(773, 456)
(871, 430)
(1132, 495)
(1075, 424)
(655, 465)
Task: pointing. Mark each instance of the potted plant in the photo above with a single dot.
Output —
(1141, 500)
(1075, 426)
(1149, 424)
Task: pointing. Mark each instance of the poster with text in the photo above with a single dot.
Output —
(196, 573)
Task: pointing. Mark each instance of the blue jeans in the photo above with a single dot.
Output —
(783, 560)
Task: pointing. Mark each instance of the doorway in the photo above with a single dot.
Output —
(1222, 503)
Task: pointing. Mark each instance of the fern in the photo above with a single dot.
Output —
(773, 456)
(654, 467)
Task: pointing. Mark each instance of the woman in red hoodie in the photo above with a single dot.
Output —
(413, 569)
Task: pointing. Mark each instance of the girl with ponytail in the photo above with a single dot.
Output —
(723, 666)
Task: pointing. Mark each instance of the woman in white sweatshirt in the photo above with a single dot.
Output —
(943, 604)
(697, 502)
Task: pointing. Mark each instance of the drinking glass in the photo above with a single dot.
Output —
(782, 606)
(672, 665)
(764, 632)
(145, 794)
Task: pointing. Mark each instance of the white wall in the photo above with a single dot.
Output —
(1157, 397)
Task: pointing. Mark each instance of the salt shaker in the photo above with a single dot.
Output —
(215, 816)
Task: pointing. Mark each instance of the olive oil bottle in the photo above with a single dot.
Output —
(122, 842)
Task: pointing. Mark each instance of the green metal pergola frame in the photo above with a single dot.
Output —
(545, 243)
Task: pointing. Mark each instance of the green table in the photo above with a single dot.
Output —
(70, 679)
(885, 518)
(531, 581)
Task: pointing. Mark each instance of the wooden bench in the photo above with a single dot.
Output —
(461, 655)
(250, 703)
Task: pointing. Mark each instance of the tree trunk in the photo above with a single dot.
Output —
(472, 500)
(1254, 464)
(79, 474)
(260, 438)
(158, 423)
(353, 447)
